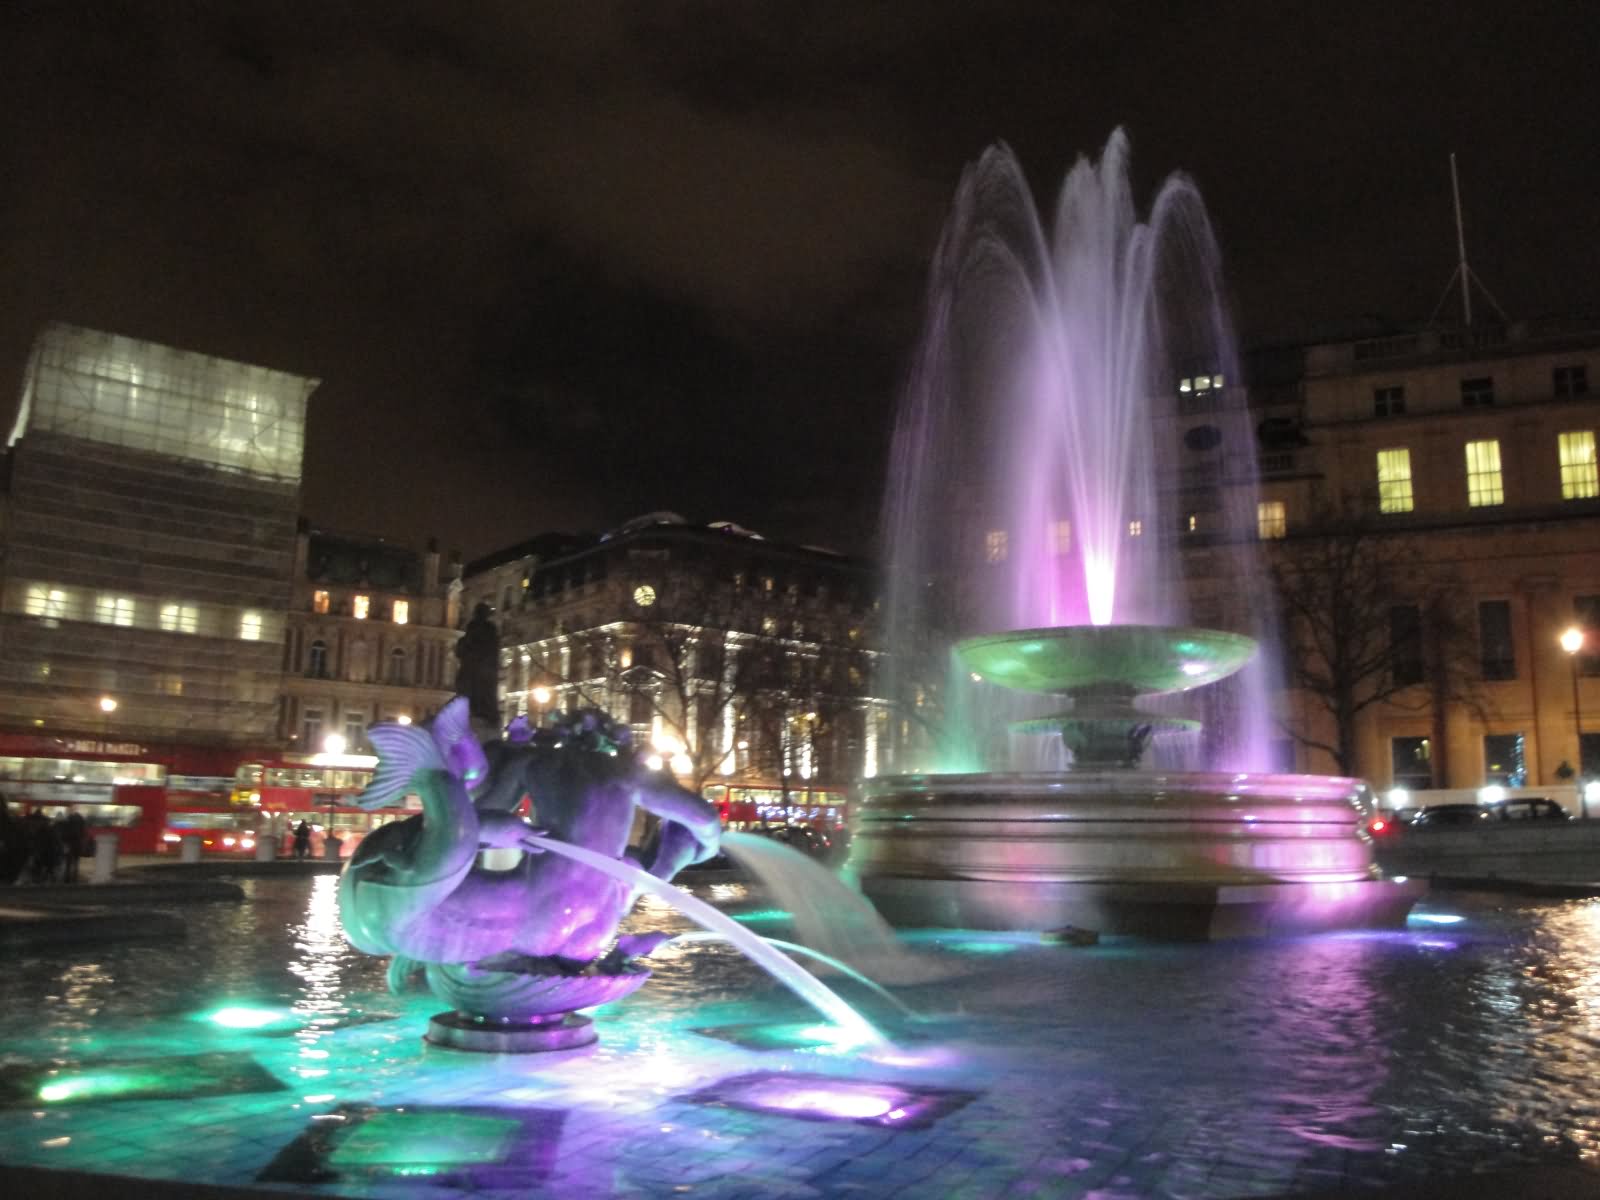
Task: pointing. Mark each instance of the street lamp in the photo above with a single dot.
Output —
(108, 705)
(1572, 643)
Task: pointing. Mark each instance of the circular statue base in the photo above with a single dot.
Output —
(487, 1035)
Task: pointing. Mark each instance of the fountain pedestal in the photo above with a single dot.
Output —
(558, 1031)
(1181, 856)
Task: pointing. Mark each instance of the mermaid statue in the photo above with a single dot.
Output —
(514, 949)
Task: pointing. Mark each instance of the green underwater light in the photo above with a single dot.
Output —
(424, 1143)
(822, 1036)
(238, 1016)
(96, 1086)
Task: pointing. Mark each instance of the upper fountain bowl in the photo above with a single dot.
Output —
(1147, 660)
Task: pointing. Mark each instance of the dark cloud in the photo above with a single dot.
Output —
(559, 263)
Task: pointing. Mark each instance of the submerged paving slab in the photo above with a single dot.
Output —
(29, 927)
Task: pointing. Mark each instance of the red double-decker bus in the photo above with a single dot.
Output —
(319, 789)
(147, 795)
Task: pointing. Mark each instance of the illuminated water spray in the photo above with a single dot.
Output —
(1029, 447)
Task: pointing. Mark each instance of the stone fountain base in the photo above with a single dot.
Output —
(1178, 856)
(488, 1035)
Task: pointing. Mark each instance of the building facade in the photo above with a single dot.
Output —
(371, 627)
(149, 526)
(1471, 454)
(746, 665)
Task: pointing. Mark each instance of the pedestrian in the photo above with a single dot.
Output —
(302, 840)
(44, 848)
(73, 831)
(13, 844)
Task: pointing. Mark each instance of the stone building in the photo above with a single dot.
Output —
(1472, 453)
(371, 628)
(742, 662)
(149, 534)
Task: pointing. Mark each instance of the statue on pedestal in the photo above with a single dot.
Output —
(478, 672)
(514, 948)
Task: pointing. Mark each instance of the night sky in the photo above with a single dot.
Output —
(560, 264)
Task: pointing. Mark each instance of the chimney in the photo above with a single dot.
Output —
(430, 568)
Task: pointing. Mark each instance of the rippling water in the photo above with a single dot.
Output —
(1209, 1070)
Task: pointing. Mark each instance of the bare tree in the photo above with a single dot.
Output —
(802, 710)
(680, 663)
(1364, 623)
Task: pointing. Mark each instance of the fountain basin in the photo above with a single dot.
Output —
(1137, 660)
(1182, 855)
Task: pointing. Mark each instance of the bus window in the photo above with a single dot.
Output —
(110, 816)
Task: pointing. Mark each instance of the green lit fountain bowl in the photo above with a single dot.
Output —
(1148, 660)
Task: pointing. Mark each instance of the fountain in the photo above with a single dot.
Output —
(515, 926)
(1028, 530)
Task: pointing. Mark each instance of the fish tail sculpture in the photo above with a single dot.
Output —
(404, 870)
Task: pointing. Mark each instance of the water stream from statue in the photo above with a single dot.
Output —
(782, 968)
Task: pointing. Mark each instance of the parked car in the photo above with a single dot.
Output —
(1468, 816)
(1528, 808)
(1450, 816)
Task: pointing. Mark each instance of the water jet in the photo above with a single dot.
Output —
(1036, 524)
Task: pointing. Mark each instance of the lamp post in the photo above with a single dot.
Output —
(1572, 643)
(108, 705)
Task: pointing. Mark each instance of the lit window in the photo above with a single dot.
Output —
(319, 602)
(1202, 383)
(47, 602)
(250, 626)
(1192, 522)
(1579, 478)
(1484, 485)
(766, 583)
(644, 595)
(1394, 481)
(113, 610)
(1060, 537)
(1271, 519)
(995, 547)
(1216, 382)
(1185, 385)
(360, 606)
(180, 618)
(402, 611)
(1135, 528)
(769, 625)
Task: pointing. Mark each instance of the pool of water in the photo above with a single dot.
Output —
(1466, 1042)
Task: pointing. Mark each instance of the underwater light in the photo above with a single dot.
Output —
(845, 1104)
(822, 1036)
(424, 1143)
(94, 1086)
(236, 1016)
(825, 1098)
